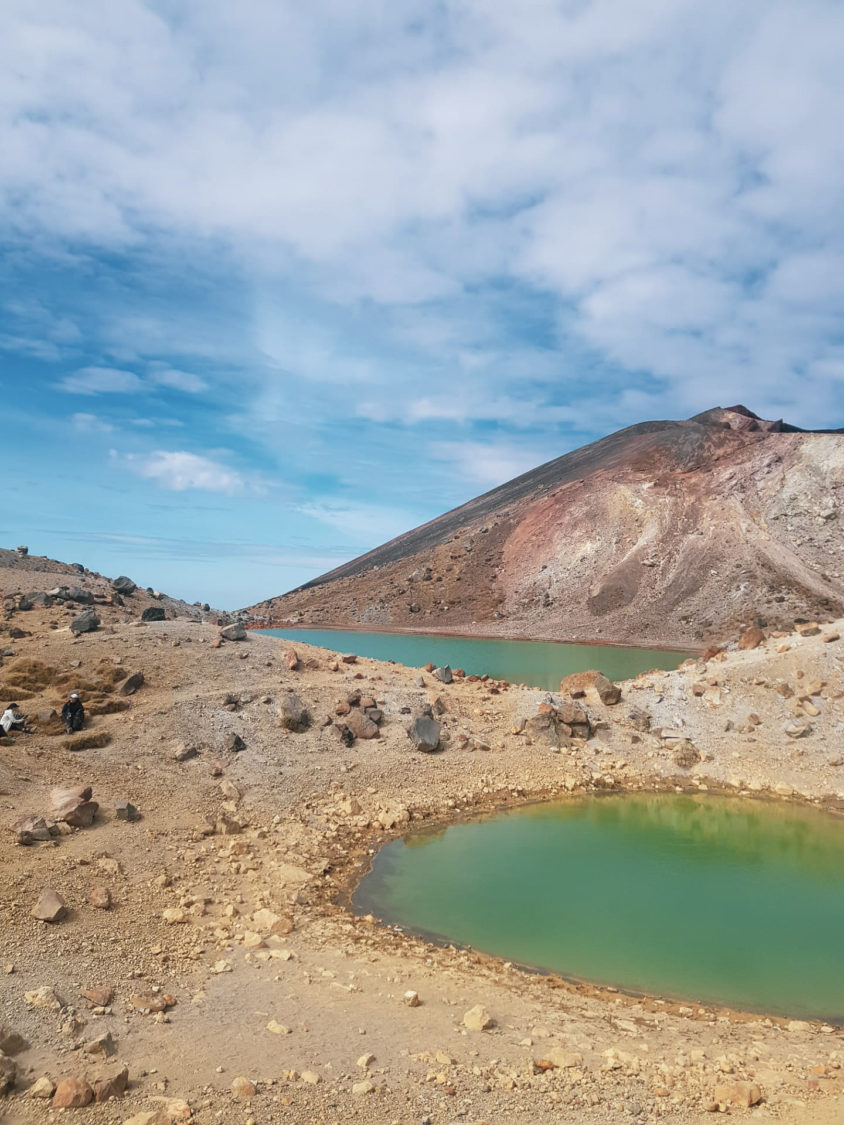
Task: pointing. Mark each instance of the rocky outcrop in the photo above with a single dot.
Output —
(663, 533)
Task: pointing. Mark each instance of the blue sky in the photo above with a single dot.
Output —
(280, 281)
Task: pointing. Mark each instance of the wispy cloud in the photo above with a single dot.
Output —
(370, 523)
(159, 546)
(178, 380)
(101, 381)
(113, 380)
(179, 471)
(90, 424)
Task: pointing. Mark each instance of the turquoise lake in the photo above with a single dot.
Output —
(717, 900)
(540, 664)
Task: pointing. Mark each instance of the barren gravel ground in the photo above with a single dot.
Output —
(284, 824)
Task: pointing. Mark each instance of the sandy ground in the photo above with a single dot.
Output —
(283, 826)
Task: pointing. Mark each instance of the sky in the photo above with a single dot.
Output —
(280, 281)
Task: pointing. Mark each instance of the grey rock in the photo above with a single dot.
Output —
(425, 734)
(546, 729)
(444, 674)
(124, 585)
(234, 743)
(77, 594)
(86, 622)
(125, 810)
(131, 684)
(293, 714)
(28, 829)
(154, 613)
(234, 632)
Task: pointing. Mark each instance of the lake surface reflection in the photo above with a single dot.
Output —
(721, 900)
(540, 664)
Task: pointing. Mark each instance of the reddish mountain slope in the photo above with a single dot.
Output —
(665, 532)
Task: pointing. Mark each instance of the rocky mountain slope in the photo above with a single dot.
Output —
(663, 533)
(36, 580)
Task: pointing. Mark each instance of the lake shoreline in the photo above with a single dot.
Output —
(361, 896)
(453, 634)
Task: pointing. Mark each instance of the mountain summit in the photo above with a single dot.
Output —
(662, 533)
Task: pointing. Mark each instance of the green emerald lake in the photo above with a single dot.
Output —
(708, 899)
(540, 664)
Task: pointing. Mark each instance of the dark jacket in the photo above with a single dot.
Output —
(71, 709)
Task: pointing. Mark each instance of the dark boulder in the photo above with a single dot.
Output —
(131, 684)
(424, 733)
(86, 622)
(77, 594)
(293, 714)
(154, 613)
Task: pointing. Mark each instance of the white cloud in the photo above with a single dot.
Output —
(179, 471)
(101, 380)
(487, 464)
(178, 380)
(648, 169)
(90, 424)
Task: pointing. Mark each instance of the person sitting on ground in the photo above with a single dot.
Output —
(73, 713)
(12, 719)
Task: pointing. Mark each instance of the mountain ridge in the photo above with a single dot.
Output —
(614, 541)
